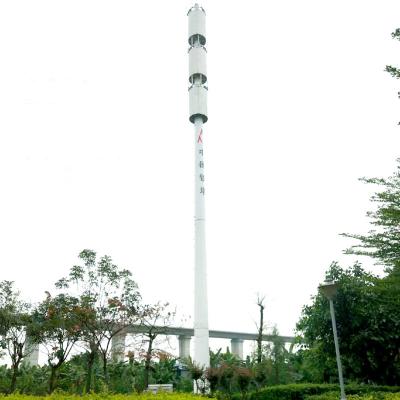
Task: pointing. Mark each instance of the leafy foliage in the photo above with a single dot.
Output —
(395, 72)
(110, 396)
(123, 378)
(376, 394)
(309, 390)
(108, 302)
(367, 324)
(154, 321)
(373, 393)
(15, 326)
(57, 325)
(383, 242)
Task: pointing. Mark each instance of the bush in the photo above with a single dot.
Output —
(105, 396)
(326, 396)
(381, 395)
(305, 390)
(291, 392)
(376, 390)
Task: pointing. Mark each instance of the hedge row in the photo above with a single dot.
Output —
(301, 391)
(368, 396)
(104, 396)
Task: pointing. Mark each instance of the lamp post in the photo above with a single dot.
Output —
(329, 290)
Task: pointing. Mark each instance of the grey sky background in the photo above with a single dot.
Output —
(97, 150)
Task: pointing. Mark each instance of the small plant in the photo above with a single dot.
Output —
(212, 376)
(244, 377)
(197, 373)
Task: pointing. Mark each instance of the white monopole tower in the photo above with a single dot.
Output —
(198, 116)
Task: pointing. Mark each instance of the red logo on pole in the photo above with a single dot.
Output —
(200, 139)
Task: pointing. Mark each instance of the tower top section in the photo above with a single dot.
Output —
(197, 64)
(197, 25)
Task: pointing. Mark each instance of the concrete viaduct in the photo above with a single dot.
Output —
(184, 337)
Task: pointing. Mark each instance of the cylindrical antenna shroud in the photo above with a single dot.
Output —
(197, 64)
(197, 103)
(197, 25)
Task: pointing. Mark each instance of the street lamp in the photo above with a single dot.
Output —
(329, 290)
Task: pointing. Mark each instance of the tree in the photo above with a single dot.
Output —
(164, 371)
(57, 325)
(280, 357)
(367, 324)
(154, 321)
(108, 298)
(260, 327)
(383, 242)
(15, 325)
(276, 366)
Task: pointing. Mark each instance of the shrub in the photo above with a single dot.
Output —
(243, 377)
(304, 390)
(212, 375)
(105, 396)
(381, 395)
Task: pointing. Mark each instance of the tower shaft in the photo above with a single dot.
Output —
(201, 349)
(198, 116)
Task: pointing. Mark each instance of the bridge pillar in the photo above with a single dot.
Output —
(184, 346)
(237, 347)
(32, 351)
(118, 347)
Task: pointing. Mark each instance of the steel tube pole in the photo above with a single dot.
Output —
(201, 345)
(335, 338)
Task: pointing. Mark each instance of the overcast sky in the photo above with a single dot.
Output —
(97, 151)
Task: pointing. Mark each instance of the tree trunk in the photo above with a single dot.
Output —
(16, 358)
(91, 357)
(13, 384)
(260, 332)
(148, 362)
(277, 375)
(52, 379)
(105, 367)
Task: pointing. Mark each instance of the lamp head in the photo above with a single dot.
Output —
(329, 289)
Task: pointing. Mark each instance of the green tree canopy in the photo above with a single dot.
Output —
(108, 302)
(57, 325)
(15, 326)
(368, 320)
(383, 241)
